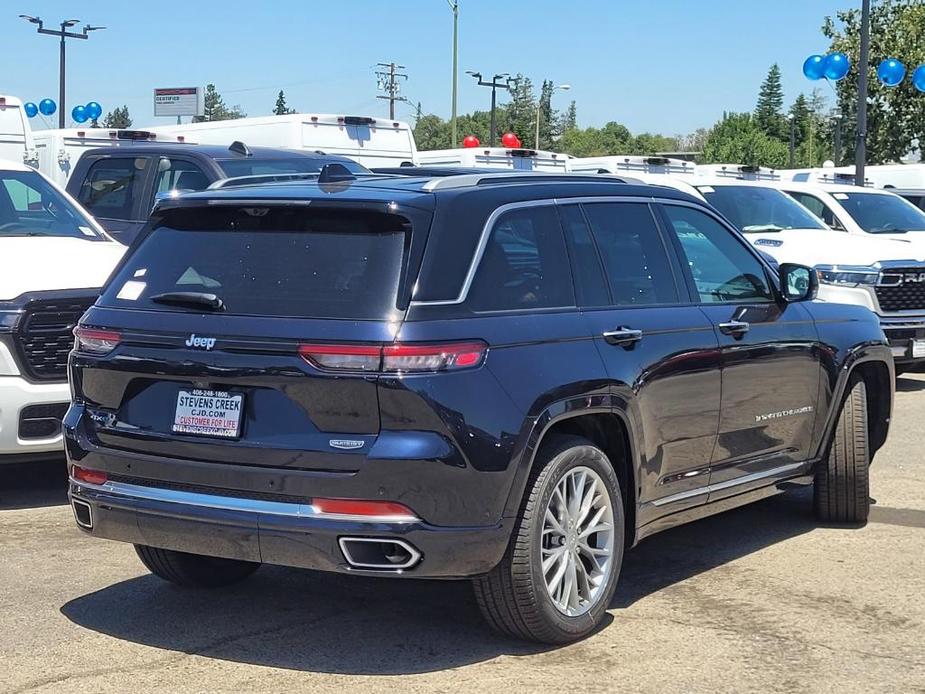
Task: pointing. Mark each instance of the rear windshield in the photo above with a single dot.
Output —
(757, 209)
(257, 167)
(882, 214)
(270, 262)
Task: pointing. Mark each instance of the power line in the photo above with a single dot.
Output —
(388, 81)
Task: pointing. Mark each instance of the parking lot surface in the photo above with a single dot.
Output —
(756, 599)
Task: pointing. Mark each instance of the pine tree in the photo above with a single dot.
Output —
(520, 112)
(281, 108)
(118, 118)
(549, 119)
(801, 118)
(214, 107)
(770, 102)
(569, 119)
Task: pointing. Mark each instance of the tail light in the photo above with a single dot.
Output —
(396, 358)
(382, 510)
(93, 341)
(88, 476)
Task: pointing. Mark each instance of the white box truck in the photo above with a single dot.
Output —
(15, 133)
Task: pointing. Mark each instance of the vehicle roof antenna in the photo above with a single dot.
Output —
(239, 147)
(334, 173)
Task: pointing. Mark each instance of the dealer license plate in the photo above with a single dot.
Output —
(918, 349)
(209, 413)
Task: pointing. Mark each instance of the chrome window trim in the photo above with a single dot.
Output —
(546, 202)
(232, 503)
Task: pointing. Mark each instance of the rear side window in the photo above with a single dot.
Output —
(111, 186)
(635, 257)
(524, 264)
(271, 262)
(590, 285)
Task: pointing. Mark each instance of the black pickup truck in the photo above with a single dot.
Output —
(119, 185)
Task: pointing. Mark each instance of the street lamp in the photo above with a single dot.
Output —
(454, 6)
(860, 155)
(561, 87)
(63, 33)
(494, 84)
(793, 123)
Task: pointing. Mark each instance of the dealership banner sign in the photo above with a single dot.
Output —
(178, 101)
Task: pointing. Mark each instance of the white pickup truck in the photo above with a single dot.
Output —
(53, 259)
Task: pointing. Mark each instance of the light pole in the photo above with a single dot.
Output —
(539, 104)
(837, 117)
(454, 6)
(793, 141)
(63, 33)
(860, 155)
(494, 84)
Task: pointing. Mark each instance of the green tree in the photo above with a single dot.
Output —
(118, 118)
(895, 116)
(214, 107)
(281, 109)
(770, 102)
(520, 112)
(738, 139)
(550, 121)
(569, 120)
(432, 132)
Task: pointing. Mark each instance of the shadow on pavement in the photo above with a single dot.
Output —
(905, 384)
(32, 485)
(331, 623)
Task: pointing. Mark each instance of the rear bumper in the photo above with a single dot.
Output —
(272, 532)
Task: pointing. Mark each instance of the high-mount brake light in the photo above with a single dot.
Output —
(384, 510)
(396, 358)
(89, 476)
(93, 341)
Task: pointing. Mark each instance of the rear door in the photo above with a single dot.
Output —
(116, 191)
(286, 365)
(660, 351)
(770, 354)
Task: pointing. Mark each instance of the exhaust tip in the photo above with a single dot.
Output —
(82, 514)
(378, 553)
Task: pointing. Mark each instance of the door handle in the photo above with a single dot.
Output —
(736, 328)
(625, 337)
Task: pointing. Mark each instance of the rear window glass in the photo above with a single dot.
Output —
(270, 262)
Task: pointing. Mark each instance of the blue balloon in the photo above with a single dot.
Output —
(836, 66)
(94, 110)
(31, 109)
(79, 114)
(47, 107)
(891, 72)
(918, 78)
(814, 67)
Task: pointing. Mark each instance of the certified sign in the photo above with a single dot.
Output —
(178, 101)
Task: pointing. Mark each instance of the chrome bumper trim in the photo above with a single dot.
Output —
(230, 503)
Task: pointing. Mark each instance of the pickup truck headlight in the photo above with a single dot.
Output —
(850, 275)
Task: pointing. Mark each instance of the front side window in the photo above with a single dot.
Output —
(30, 206)
(818, 208)
(524, 264)
(634, 256)
(759, 209)
(111, 186)
(179, 175)
(878, 213)
(723, 269)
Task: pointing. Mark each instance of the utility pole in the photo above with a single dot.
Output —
(495, 85)
(837, 117)
(387, 80)
(793, 143)
(454, 5)
(860, 155)
(63, 33)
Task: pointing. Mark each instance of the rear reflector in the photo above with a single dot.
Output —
(89, 476)
(92, 341)
(386, 510)
(395, 358)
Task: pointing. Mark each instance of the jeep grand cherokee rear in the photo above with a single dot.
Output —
(493, 377)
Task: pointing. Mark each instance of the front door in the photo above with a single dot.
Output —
(660, 351)
(770, 355)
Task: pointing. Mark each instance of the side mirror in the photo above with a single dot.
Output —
(798, 282)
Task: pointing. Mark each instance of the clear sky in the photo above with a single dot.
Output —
(667, 66)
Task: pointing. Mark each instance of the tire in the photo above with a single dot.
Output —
(194, 570)
(514, 597)
(841, 493)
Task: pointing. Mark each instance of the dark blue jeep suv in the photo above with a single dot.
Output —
(502, 377)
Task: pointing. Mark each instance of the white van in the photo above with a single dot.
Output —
(632, 165)
(15, 133)
(741, 172)
(496, 158)
(369, 141)
(57, 150)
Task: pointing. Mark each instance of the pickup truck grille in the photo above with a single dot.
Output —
(44, 336)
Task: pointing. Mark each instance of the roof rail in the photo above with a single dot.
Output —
(471, 180)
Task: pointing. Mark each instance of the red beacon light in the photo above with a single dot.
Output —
(470, 141)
